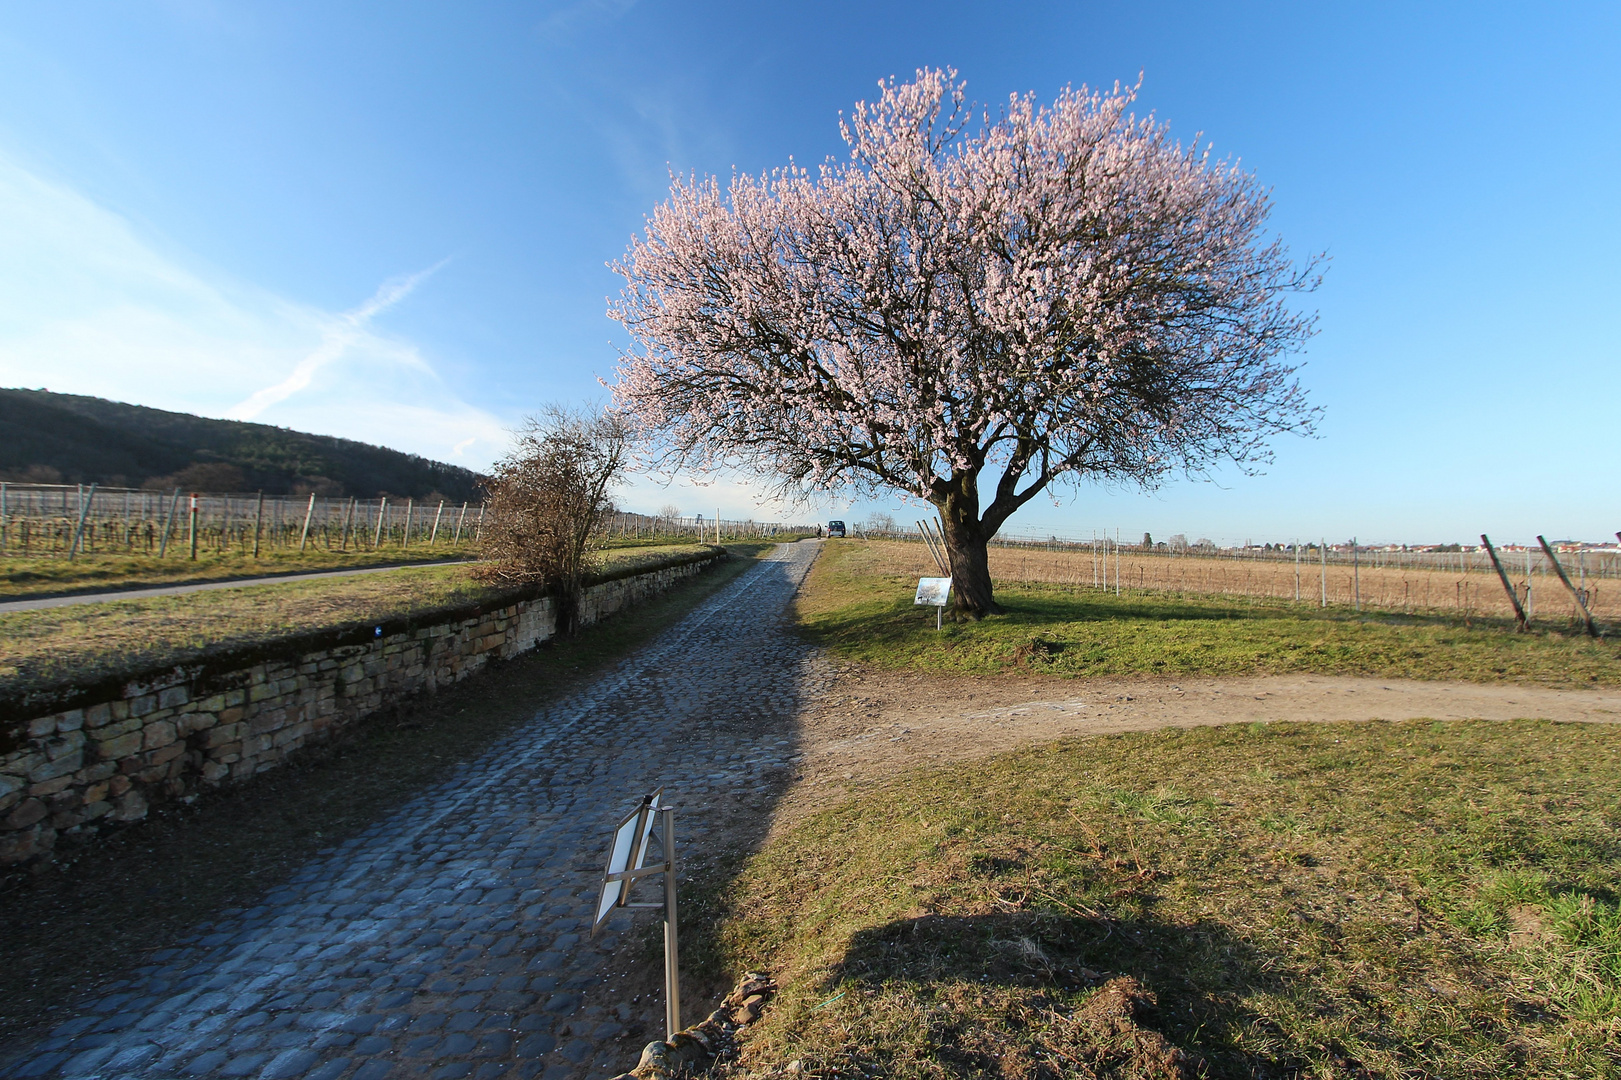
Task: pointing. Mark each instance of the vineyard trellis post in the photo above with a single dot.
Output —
(1581, 601)
(1117, 561)
(433, 538)
(258, 522)
(1521, 623)
(1530, 606)
(377, 539)
(348, 522)
(84, 512)
(309, 513)
(1356, 575)
(193, 531)
(168, 523)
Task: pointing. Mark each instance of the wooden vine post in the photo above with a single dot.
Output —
(1521, 625)
(84, 512)
(258, 523)
(1581, 601)
(309, 512)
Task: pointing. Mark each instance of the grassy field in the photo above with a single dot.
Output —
(23, 579)
(44, 647)
(858, 603)
(1390, 900)
(102, 906)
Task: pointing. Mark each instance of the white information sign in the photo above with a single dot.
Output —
(629, 852)
(627, 861)
(933, 592)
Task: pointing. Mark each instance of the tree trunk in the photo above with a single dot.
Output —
(966, 551)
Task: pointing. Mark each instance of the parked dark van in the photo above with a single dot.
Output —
(835, 528)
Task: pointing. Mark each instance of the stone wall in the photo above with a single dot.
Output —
(102, 755)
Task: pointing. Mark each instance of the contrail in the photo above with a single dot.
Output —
(349, 328)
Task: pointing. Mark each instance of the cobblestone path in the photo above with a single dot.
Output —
(451, 939)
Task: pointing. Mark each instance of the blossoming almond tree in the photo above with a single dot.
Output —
(968, 312)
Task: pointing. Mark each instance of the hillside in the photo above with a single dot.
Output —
(66, 438)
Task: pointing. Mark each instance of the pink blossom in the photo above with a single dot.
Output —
(1062, 292)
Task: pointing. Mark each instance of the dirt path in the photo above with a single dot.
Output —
(868, 724)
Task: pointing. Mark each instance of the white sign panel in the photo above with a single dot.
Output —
(933, 592)
(628, 852)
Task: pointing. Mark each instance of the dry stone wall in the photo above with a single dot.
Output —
(105, 754)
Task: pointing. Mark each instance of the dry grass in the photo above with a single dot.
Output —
(22, 579)
(1390, 900)
(1471, 595)
(84, 641)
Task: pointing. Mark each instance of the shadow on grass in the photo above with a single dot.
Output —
(1018, 993)
(1051, 630)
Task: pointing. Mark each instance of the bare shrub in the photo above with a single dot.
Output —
(548, 499)
(881, 524)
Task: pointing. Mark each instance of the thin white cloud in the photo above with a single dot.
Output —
(348, 331)
(560, 24)
(736, 497)
(89, 305)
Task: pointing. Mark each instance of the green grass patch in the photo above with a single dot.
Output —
(1069, 631)
(1413, 899)
(86, 641)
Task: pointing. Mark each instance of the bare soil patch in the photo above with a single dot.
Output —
(872, 723)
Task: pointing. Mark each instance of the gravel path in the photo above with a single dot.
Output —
(451, 939)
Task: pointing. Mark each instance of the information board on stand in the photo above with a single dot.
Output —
(934, 592)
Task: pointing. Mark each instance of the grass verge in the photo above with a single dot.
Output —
(36, 578)
(101, 907)
(83, 641)
(867, 615)
(1414, 899)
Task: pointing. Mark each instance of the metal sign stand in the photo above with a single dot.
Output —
(627, 856)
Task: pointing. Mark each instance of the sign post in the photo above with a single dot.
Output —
(627, 861)
(935, 591)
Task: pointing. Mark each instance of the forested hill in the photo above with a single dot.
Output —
(65, 438)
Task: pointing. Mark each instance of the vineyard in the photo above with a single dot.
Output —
(70, 520)
(1462, 583)
(66, 521)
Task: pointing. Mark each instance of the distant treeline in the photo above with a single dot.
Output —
(65, 438)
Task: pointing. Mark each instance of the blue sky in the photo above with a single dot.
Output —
(391, 221)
